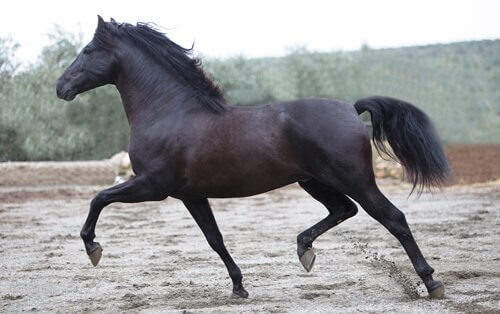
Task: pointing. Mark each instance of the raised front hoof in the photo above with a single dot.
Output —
(307, 259)
(240, 293)
(436, 290)
(96, 254)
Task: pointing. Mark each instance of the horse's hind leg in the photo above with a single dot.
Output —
(137, 189)
(380, 208)
(340, 208)
(202, 214)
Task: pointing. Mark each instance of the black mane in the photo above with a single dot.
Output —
(176, 59)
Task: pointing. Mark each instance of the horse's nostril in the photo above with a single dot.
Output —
(58, 91)
(58, 85)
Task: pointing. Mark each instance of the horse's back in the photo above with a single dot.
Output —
(327, 115)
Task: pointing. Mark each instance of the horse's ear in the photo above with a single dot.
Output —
(101, 25)
(112, 20)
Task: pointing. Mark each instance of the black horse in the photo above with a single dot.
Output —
(188, 143)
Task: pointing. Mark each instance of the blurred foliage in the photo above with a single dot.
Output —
(36, 125)
(456, 84)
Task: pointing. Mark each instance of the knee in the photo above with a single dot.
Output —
(99, 201)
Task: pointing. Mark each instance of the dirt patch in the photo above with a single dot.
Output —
(156, 259)
(472, 163)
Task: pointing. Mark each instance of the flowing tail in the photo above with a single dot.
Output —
(412, 137)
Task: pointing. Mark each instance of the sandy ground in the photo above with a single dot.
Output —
(32, 173)
(155, 258)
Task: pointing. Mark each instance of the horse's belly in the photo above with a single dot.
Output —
(245, 184)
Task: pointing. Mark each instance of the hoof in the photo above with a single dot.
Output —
(437, 290)
(95, 256)
(307, 259)
(240, 293)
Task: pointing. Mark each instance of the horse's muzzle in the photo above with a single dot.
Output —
(64, 92)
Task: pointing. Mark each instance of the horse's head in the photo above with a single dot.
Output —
(95, 65)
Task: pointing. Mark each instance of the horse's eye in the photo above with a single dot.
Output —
(87, 50)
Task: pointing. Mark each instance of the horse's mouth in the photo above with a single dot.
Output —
(68, 95)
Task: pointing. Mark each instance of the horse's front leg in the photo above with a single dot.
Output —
(138, 189)
(202, 214)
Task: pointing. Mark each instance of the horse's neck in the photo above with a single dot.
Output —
(149, 92)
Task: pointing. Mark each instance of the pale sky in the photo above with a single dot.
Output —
(222, 28)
